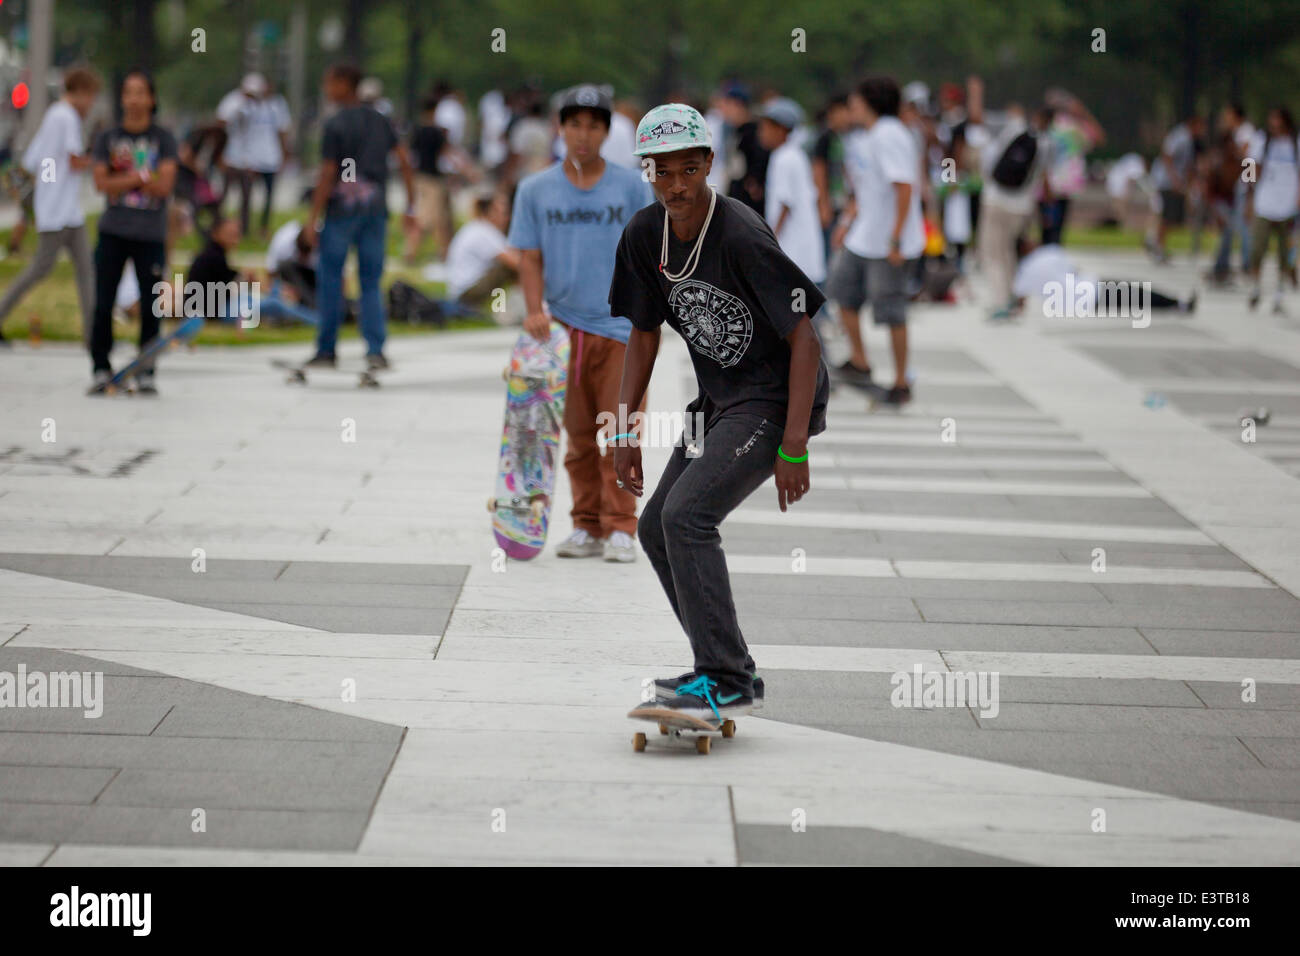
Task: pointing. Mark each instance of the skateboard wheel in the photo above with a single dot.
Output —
(663, 729)
(492, 504)
(728, 728)
(505, 374)
(537, 507)
(702, 744)
(638, 742)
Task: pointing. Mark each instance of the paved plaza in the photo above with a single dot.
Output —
(308, 645)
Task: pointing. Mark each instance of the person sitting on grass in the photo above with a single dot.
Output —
(211, 268)
(479, 260)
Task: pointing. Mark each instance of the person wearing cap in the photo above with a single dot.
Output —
(710, 267)
(566, 223)
(881, 230)
(790, 196)
(257, 124)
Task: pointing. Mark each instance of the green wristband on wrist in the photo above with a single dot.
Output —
(794, 461)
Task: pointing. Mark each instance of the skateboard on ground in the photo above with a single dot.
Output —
(124, 379)
(367, 378)
(536, 380)
(681, 727)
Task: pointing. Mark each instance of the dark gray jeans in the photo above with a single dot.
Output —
(679, 533)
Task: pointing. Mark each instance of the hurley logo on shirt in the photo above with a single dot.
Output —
(609, 216)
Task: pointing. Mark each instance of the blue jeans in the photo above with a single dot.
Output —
(1235, 225)
(275, 306)
(340, 233)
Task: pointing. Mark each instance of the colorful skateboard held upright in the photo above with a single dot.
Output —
(530, 443)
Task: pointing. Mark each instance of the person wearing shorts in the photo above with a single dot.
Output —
(881, 230)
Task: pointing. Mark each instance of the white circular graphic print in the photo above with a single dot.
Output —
(716, 324)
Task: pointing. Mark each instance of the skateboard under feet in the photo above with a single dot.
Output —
(367, 378)
(681, 727)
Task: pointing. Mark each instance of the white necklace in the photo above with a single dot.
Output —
(688, 269)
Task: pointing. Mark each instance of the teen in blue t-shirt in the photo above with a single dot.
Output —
(567, 221)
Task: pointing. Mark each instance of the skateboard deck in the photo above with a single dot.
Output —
(681, 727)
(125, 377)
(367, 378)
(536, 380)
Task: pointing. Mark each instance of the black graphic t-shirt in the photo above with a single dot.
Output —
(135, 214)
(734, 311)
(358, 138)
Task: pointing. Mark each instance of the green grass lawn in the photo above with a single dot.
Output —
(54, 301)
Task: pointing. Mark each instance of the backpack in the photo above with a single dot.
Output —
(1017, 160)
(407, 303)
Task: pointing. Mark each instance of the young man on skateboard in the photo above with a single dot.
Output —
(710, 267)
(567, 220)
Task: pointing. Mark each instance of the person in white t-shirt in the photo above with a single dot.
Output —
(1275, 198)
(881, 230)
(257, 123)
(493, 119)
(479, 259)
(790, 194)
(58, 160)
(450, 113)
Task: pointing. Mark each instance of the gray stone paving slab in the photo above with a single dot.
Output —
(1215, 363)
(1058, 474)
(348, 620)
(1184, 594)
(81, 566)
(865, 713)
(1229, 642)
(339, 572)
(1090, 718)
(326, 767)
(316, 789)
(849, 846)
(951, 637)
(1285, 809)
(54, 784)
(40, 822)
(116, 719)
(974, 456)
(1223, 695)
(1227, 404)
(1276, 752)
(881, 610)
(205, 592)
(855, 689)
(834, 607)
(249, 829)
(1208, 557)
(1206, 784)
(1029, 748)
(1139, 512)
(286, 722)
(251, 754)
(807, 585)
(1110, 615)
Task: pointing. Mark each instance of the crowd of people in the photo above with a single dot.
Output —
(880, 197)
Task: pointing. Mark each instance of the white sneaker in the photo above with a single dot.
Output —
(620, 547)
(579, 545)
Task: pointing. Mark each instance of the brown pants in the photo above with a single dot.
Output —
(600, 507)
